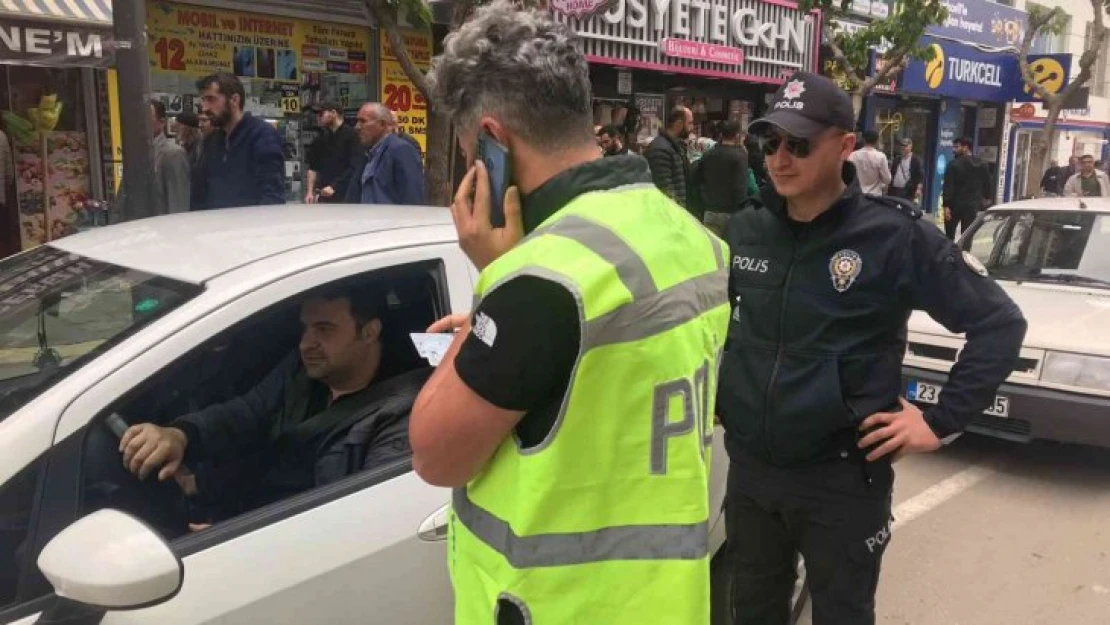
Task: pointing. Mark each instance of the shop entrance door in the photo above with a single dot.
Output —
(1023, 150)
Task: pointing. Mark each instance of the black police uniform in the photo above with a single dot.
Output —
(815, 346)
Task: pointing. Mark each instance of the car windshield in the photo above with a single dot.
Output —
(59, 310)
(1060, 247)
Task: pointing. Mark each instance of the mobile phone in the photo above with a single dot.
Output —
(495, 156)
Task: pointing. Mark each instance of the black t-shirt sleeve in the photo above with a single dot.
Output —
(523, 344)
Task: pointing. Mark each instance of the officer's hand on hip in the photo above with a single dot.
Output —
(478, 238)
(904, 432)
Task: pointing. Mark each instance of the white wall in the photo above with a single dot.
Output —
(1099, 108)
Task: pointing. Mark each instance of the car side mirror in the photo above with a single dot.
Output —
(111, 560)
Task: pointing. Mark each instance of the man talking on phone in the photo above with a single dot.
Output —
(823, 280)
(572, 413)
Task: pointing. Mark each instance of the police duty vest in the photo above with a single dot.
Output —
(606, 521)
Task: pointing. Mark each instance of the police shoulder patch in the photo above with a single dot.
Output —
(905, 207)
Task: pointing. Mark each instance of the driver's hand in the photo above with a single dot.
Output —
(146, 447)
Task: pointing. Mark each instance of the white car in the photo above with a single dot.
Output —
(152, 318)
(1052, 256)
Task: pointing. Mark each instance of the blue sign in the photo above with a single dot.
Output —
(1051, 70)
(961, 71)
(982, 22)
(948, 125)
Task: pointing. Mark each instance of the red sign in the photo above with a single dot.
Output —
(698, 51)
(1025, 111)
(578, 8)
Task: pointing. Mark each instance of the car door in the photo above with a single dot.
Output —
(370, 547)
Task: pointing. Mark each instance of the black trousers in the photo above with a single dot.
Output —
(835, 514)
(961, 216)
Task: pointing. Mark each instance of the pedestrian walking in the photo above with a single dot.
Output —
(388, 170)
(191, 139)
(907, 173)
(872, 167)
(670, 166)
(171, 183)
(823, 280)
(600, 311)
(331, 157)
(967, 189)
(1052, 182)
(719, 181)
(1089, 181)
(243, 162)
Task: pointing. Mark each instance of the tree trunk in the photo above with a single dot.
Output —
(857, 106)
(1041, 149)
(438, 167)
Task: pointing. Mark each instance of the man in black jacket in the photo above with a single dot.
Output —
(331, 157)
(907, 173)
(670, 167)
(967, 188)
(719, 184)
(823, 280)
(286, 431)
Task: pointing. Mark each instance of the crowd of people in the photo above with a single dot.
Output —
(1083, 176)
(224, 157)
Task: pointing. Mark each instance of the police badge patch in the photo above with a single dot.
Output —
(844, 268)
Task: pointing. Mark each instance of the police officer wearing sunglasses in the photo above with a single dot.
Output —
(823, 280)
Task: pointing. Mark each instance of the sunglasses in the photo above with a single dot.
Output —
(795, 146)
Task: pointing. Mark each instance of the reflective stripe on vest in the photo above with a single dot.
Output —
(629, 542)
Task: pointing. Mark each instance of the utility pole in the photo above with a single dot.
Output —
(134, 91)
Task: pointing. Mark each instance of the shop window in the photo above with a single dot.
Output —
(1099, 86)
(41, 219)
(1050, 43)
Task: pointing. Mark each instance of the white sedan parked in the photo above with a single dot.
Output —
(1052, 256)
(151, 319)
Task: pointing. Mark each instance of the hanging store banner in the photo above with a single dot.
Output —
(965, 72)
(398, 93)
(199, 40)
(747, 40)
(981, 22)
(65, 44)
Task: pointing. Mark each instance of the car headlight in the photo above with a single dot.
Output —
(1091, 372)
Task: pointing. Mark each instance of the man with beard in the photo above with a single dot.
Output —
(280, 437)
(611, 142)
(243, 163)
(670, 167)
(967, 189)
(331, 156)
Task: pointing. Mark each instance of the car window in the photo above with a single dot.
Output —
(1070, 247)
(983, 241)
(253, 376)
(58, 310)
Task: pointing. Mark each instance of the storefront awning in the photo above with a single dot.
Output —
(89, 12)
(57, 33)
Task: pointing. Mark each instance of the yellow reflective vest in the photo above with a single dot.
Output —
(605, 522)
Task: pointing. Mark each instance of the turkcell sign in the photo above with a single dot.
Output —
(961, 71)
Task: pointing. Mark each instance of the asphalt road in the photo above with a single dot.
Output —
(989, 532)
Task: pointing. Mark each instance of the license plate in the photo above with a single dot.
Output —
(930, 393)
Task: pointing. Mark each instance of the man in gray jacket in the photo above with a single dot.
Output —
(170, 187)
(670, 167)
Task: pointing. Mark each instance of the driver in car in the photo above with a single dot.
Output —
(294, 430)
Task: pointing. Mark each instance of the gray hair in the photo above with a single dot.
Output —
(381, 112)
(521, 67)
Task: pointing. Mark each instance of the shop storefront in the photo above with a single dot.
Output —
(721, 58)
(1077, 134)
(285, 61)
(51, 57)
(960, 92)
